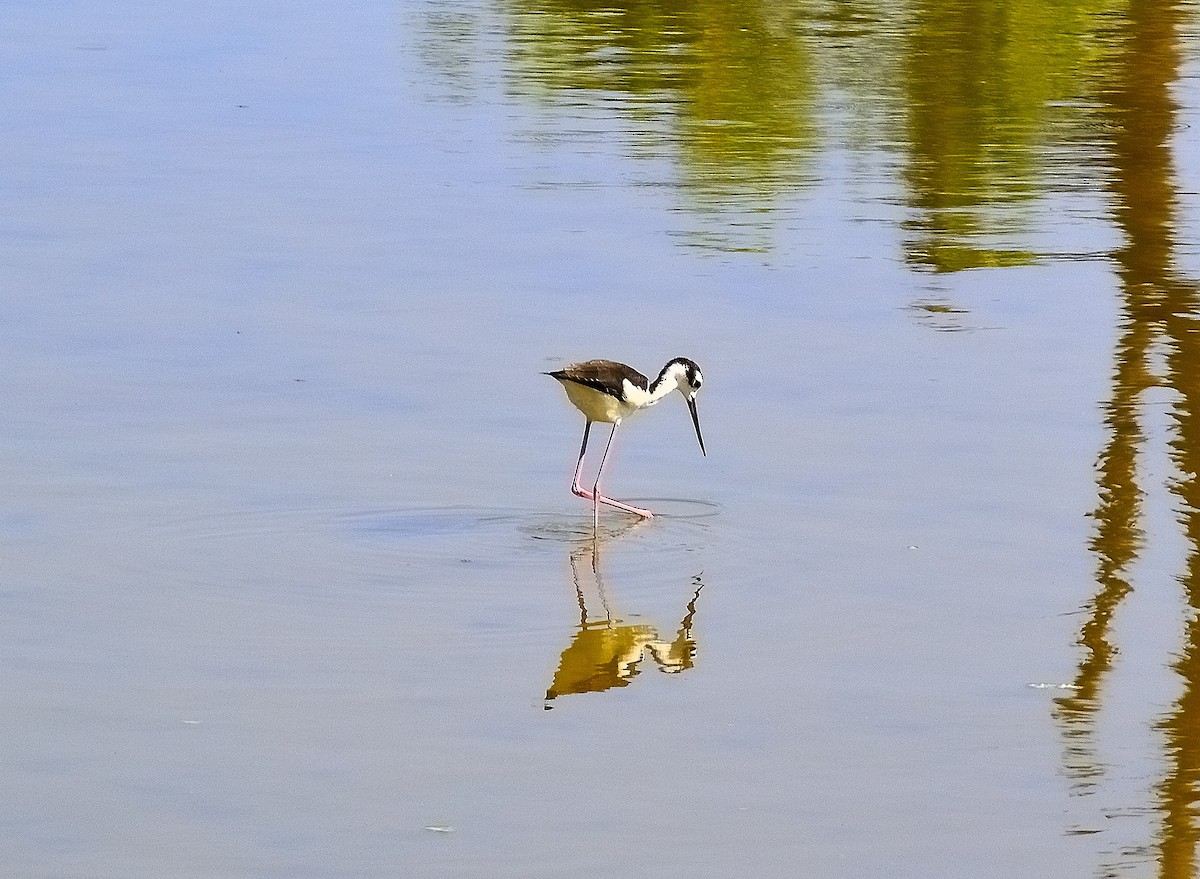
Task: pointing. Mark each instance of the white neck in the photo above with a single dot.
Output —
(666, 383)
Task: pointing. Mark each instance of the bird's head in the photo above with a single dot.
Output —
(688, 379)
(685, 375)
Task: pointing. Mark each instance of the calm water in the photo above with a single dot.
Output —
(291, 583)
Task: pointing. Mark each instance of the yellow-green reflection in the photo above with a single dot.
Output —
(726, 89)
(606, 651)
(1160, 309)
(981, 103)
(983, 79)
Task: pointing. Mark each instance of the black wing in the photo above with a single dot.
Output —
(607, 376)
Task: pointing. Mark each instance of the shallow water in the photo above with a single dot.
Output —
(293, 584)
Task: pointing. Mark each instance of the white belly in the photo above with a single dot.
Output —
(596, 406)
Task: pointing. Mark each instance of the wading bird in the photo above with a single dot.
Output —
(607, 391)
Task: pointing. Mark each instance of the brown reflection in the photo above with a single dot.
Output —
(1160, 310)
(606, 651)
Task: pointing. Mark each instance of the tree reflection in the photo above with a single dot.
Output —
(983, 80)
(1159, 311)
(974, 95)
(727, 87)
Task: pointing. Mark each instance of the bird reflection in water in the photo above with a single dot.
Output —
(606, 651)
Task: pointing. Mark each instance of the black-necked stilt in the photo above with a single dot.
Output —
(607, 391)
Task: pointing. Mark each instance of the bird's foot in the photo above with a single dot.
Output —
(597, 498)
(637, 511)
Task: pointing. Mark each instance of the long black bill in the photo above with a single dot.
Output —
(696, 421)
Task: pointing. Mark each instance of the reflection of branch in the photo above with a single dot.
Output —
(1177, 791)
(1147, 208)
(1117, 539)
(1116, 543)
(1158, 309)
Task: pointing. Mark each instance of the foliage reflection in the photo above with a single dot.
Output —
(728, 89)
(986, 105)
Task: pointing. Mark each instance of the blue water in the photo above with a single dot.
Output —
(289, 557)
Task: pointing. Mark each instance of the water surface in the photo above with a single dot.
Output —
(292, 581)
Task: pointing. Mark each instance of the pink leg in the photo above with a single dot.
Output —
(594, 495)
(578, 490)
(575, 489)
(598, 498)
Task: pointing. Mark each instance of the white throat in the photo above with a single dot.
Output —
(640, 398)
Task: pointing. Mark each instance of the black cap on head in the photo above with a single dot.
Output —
(690, 369)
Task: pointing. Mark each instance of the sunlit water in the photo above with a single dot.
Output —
(292, 583)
